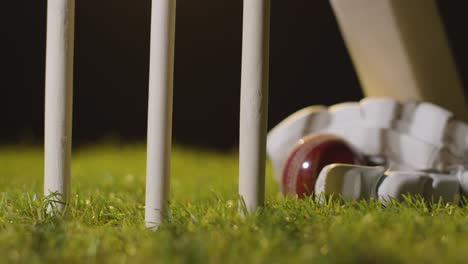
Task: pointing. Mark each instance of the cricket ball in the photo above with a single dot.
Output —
(309, 157)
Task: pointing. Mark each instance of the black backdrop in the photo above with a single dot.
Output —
(309, 65)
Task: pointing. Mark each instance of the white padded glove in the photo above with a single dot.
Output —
(404, 137)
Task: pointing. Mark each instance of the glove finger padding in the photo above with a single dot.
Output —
(351, 182)
(430, 186)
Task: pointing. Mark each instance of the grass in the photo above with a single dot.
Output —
(104, 220)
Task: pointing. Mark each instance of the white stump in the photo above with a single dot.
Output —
(160, 111)
(58, 97)
(400, 49)
(254, 102)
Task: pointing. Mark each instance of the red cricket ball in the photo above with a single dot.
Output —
(308, 158)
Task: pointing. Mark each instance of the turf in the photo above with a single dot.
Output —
(103, 222)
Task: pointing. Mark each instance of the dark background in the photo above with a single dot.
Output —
(309, 65)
